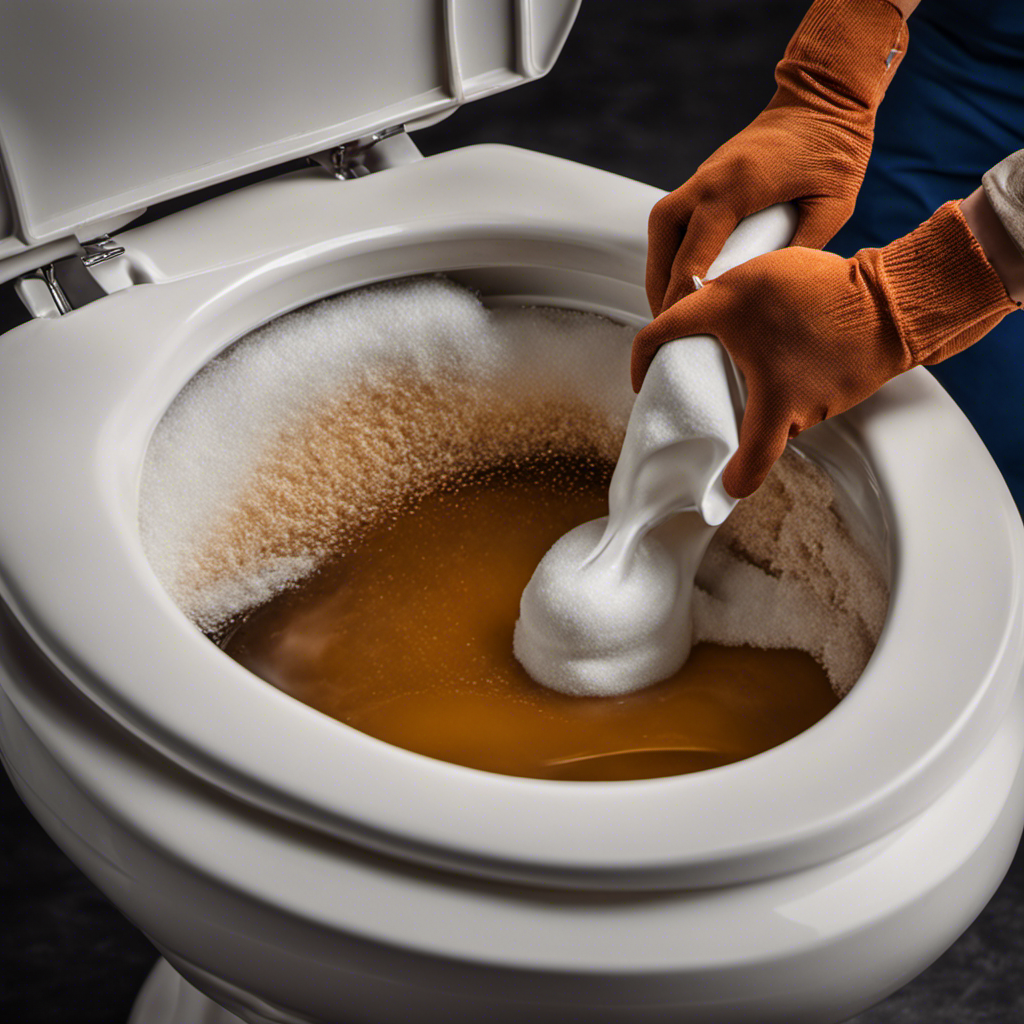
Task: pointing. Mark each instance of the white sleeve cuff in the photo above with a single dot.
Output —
(1004, 186)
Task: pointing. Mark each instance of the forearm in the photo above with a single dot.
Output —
(1003, 195)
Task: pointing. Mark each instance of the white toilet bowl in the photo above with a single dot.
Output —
(292, 869)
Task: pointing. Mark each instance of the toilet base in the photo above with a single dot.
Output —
(167, 998)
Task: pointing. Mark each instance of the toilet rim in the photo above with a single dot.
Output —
(876, 760)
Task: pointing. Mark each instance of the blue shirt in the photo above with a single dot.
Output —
(954, 109)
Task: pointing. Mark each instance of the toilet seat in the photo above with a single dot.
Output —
(309, 918)
(87, 389)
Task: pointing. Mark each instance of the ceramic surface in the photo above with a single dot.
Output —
(83, 393)
(287, 866)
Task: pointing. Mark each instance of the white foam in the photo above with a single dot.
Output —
(608, 610)
(262, 398)
(785, 571)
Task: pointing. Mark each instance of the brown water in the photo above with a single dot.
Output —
(409, 638)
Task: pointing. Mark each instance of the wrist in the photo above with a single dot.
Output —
(999, 248)
(940, 290)
(847, 51)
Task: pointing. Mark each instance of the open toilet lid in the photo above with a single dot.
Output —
(108, 108)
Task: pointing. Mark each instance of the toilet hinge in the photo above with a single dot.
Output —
(68, 283)
(388, 147)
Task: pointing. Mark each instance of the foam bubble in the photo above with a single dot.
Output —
(296, 439)
(784, 571)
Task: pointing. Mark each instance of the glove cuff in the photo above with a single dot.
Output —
(843, 55)
(942, 292)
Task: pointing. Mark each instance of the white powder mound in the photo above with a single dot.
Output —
(299, 438)
(593, 624)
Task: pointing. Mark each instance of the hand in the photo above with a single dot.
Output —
(814, 334)
(810, 146)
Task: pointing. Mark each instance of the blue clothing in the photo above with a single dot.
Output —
(955, 108)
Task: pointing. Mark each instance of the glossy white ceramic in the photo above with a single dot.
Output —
(280, 924)
(297, 870)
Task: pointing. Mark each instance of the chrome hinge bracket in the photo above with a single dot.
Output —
(67, 284)
(361, 157)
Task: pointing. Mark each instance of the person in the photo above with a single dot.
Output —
(816, 332)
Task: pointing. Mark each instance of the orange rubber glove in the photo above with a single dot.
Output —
(814, 334)
(810, 145)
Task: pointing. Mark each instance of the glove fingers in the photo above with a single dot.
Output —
(665, 229)
(763, 436)
(694, 314)
(820, 220)
(706, 233)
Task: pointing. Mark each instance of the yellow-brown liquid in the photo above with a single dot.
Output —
(409, 638)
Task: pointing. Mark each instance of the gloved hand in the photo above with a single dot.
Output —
(814, 334)
(810, 145)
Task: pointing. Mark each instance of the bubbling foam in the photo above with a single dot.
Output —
(287, 448)
(784, 571)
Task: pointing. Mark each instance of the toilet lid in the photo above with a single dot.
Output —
(108, 108)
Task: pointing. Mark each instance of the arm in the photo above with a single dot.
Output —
(996, 215)
(809, 146)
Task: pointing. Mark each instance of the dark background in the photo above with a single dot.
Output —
(646, 90)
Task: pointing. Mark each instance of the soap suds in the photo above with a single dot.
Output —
(783, 571)
(301, 436)
(319, 423)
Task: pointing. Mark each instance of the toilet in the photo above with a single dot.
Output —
(287, 867)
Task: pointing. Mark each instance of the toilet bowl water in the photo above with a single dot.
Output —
(608, 610)
(456, 435)
(400, 485)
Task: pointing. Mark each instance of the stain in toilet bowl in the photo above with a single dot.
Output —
(403, 418)
(407, 636)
